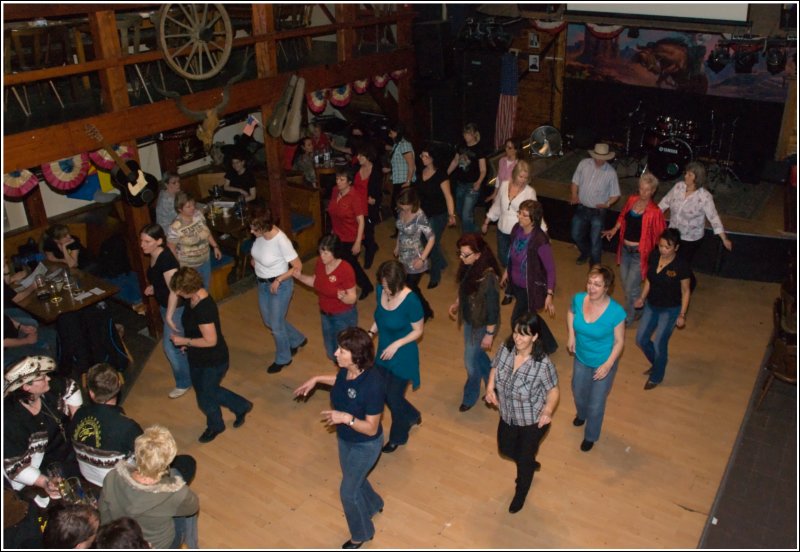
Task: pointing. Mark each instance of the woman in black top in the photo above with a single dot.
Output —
(61, 247)
(368, 181)
(433, 189)
(239, 181)
(667, 290)
(163, 266)
(357, 397)
(468, 170)
(208, 353)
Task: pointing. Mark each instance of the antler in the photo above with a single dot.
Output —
(233, 80)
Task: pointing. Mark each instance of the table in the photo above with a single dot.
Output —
(231, 232)
(49, 312)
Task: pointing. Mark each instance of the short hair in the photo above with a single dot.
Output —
(57, 231)
(521, 165)
(650, 179)
(472, 128)
(672, 235)
(121, 533)
(166, 177)
(527, 323)
(409, 197)
(154, 231)
(331, 244)
(104, 381)
(534, 210)
(345, 172)
(69, 525)
(359, 343)
(699, 172)
(395, 275)
(181, 199)
(605, 273)
(186, 280)
(261, 219)
(155, 449)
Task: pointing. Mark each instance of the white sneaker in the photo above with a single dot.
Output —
(178, 392)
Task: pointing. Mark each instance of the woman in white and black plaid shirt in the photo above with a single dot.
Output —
(523, 383)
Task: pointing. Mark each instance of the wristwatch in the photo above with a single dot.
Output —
(352, 420)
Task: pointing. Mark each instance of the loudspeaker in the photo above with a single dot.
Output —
(431, 46)
(480, 82)
(445, 112)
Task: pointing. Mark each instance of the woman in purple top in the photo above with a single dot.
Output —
(531, 271)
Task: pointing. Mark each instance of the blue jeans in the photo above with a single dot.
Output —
(185, 532)
(466, 199)
(503, 245)
(273, 309)
(211, 395)
(438, 262)
(205, 273)
(587, 223)
(46, 345)
(631, 274)
(590, 396)
(177, 359)
(476, 361)
(404, 414)
(359, 499)
(655, 329)
(332, 324)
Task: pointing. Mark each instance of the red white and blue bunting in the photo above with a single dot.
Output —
(18, 183)
(340, 96)
(68, 173)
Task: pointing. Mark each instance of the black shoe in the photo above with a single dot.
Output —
(577, 422)
(464, 408)
(650, 385)
(516, 504)
(389, 447)
(352, 545)
(364, 294)
(536, 466)
(274, 368)
(209, 435)
(427, 317)
(507, 300)
(432, 285)
(239, 421)
(302, 344)
(586, 446)
(419, 421)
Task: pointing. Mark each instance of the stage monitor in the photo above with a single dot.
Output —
(722, 13)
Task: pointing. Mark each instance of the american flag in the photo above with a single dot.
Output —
(507, 108)
(250, 126)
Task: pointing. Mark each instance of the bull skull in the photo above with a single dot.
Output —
(210, 117)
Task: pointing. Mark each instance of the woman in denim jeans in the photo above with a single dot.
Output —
(334, 282)
(357, 397)
(596, 325)
(274, 261)
(468, 170)
(164, 265)
(667, 290)
(478, 308)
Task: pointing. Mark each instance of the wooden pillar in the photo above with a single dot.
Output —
(346, 36)
(34, 208)
(560, 55)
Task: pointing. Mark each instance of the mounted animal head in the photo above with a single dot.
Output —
(209, 118)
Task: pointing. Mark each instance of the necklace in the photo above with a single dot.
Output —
(52, 415)
(662, 262)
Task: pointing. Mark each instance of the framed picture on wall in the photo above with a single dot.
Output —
(533, 41)
(533, 63)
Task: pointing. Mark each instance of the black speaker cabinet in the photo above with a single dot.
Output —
(432, 48)
(480, 89)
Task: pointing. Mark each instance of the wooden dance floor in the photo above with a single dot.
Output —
(649, 482)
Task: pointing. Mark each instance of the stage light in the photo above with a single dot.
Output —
(776, 60)
(743, 61)
(718, 59)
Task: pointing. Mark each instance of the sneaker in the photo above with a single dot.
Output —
(178, 392)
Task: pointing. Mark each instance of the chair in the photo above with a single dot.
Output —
(782, 362)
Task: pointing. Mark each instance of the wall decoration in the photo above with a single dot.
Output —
(67, 174)
(19, 183)
(533, 40)
(102, 159)
(533, 63)
(670, 60)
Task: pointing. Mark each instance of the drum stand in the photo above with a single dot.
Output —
(721, 172)
(628, 159)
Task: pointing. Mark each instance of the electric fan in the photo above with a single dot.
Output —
(545, 142)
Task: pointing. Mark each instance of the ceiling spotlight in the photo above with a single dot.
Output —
(743, 61)
(718, 59)
(776, 60)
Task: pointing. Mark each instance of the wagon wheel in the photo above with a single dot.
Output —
(195, 39)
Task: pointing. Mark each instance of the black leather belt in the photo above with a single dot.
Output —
(266, 280)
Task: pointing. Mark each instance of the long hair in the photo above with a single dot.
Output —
(472, 274)
(527, 323)
(156, 232)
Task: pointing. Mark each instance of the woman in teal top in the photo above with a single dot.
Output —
(398, 324)
(596, 325)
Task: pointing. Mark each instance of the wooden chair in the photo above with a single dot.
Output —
(782, 362)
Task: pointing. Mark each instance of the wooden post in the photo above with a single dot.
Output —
(34, 208)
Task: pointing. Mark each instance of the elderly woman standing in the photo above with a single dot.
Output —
(640, 224)
(667, 291)
(205, 346)
(357, 397)
(158, 499)
(334, 282)
(398, 325)
(275, 260)
(165, 205)
(189, 238)
(596, 325)
(689, 206)
(523, 382)
(478, 308)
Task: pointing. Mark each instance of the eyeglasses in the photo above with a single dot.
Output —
(465, 255)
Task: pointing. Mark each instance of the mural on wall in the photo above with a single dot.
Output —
(669, 60)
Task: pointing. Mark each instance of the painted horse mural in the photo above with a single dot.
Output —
(676, 64)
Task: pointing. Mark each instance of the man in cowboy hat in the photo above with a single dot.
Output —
(594, 188)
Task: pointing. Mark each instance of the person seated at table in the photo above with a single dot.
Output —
(61, 247)
(12, 297)
(303, 161)
(322, 143)
(23, 338)
(71, 526)
(356, 136)
(102, 434)
(239, 181)
(165, 205)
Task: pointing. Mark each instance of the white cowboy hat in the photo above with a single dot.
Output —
(25, 371)
(601, 151)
